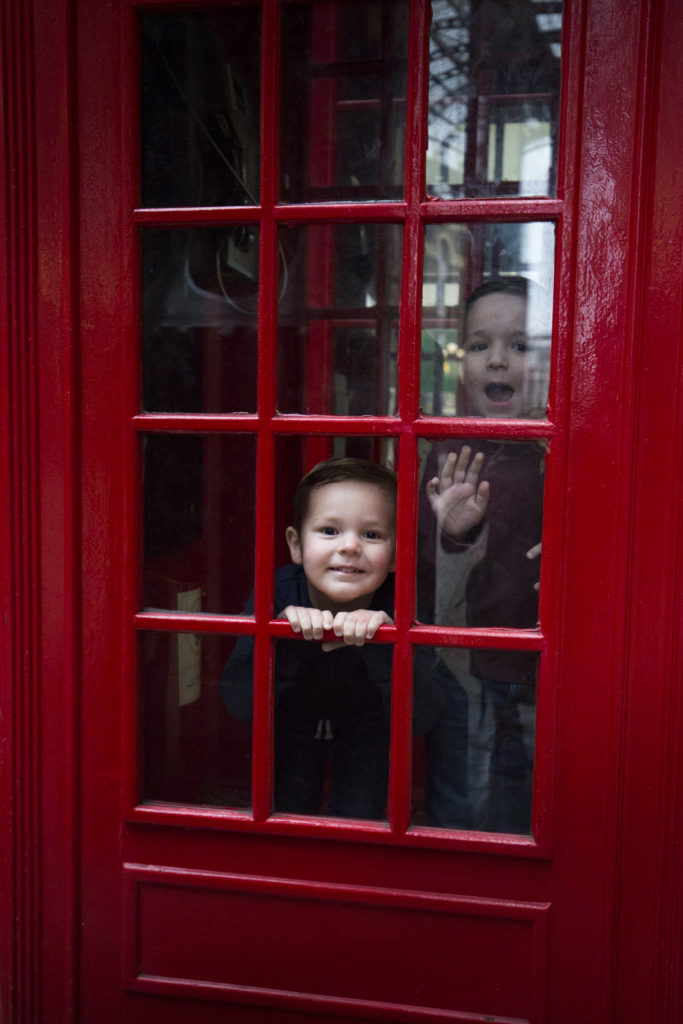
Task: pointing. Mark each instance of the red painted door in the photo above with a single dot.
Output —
(282, 210)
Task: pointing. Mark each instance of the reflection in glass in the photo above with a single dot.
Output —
(474, 768)
(461, 326)
(192, 751)
(338, 318)
(343, 90)
(199, 313)
(199, 496)
(200, 102)
(494, 81)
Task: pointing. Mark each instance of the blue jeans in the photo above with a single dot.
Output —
(479, 758)
(511, 756)
(447, 798)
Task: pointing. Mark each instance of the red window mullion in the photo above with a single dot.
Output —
(409, 363)
(265, 471)
(404, 602)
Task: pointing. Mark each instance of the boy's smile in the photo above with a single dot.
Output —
(495, 371)
(346, 545)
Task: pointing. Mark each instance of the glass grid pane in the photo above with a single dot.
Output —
(494, 81)
(343, 101)
(200, 107)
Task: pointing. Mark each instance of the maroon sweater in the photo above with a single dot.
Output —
(500, 588)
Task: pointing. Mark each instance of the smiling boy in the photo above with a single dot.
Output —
(332, 698)
(345, 543)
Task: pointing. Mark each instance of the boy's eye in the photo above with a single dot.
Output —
(475, 346)
(328, 531)
(372, 535)
(520, 344)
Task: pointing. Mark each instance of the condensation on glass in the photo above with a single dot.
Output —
(200, 107)
(199, 317)
(494, 84)
(459, 258)
(343, 101)
(474, 768)
(338, 318)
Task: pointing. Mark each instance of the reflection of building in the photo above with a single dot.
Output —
(494, 80)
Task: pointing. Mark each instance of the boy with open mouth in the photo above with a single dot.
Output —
(483, 498)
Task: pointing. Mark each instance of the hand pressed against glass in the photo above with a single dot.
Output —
(457, 498)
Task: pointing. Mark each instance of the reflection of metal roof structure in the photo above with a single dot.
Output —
(491, 63)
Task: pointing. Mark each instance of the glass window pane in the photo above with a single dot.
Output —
(332, 724)
(342, 131)
(473, 769)
(193, 751)
(200, 107)
(338, 318)
(494, 81)
(487, 319)
(479, 533)
(199, 494)
(199, 315)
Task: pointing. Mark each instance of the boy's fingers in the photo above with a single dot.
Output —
(377, 620)
(338, 623)
(317, 624)
(449, 468)
(292, 615)
(462, 461)
(483, 493)
(328, 619)
(474, 468)
(305, 623)
(354, 631)
(311, 623)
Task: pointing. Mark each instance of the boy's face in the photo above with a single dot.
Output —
(495, 371)
(346, 545)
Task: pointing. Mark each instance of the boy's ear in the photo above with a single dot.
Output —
(294, 543)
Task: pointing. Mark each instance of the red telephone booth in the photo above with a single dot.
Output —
(239, 238)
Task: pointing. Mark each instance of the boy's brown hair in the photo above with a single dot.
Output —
(335, 471)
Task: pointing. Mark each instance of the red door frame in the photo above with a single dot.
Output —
(621, 686)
